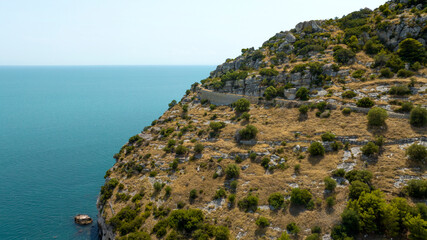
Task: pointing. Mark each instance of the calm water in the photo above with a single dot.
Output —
(59, 128)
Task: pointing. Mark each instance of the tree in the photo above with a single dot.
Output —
(418, 117)
(249, 132)
(350, 221)
(242, 105)
(370, 149)
(330, 183)
(300, 196)
(316, 149)
(417, 228)
(357, 188)
(270, 93)
(262, 222)
(343, 55)
(276, 200)
(302, 94)
(417, 152)
(377, 116)
(232, 171)
(411, 50)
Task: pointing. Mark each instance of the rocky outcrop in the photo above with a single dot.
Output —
(83, 219)
(105, 231)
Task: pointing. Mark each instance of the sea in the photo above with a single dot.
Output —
(59, 129)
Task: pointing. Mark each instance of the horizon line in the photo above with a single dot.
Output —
(108, 65)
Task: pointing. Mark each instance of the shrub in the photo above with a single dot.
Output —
(370, 149)
(185, 220)
(356, 188)
(417, 188)
(303, 109)
(417, 152)
(264, 162)
(403, 73)
(262, 222)
(400, 90)
(330, 201)
(220, 193)
(346, 111)
(300, 196)
(358, 73)
(249, 132)
(221, 233)
(302, 94)
(158, 186)
(386, 73)
(395, 63)
(338, 173)
(343, 56)
(365, 102)
(405, 107)
(316, 149)
(168, 190)
(270, 93)
(233, 185)
(418, 117)
(193, 194)
(328, 137)
(231, 76)
(216, 126)
(180, 149)
(330, 184)
(174, 164)
(411, 50)
(276, 200)
(349, 94)
(293, 228)
(417, 228)
(198, 148)
(284, 236)
(321, 106)
(232, 171)
(246, 116)
(268, 72)
(134, 139)
(377, 116)
(249, 203)
(242, 105)
(361, 175)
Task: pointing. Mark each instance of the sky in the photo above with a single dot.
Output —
(150, 32)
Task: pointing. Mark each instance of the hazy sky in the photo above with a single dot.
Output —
(142, 32)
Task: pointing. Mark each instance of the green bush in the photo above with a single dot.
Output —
(264, 162)
(403, 73)
(180, 149)
(338, 173)
(270, 93)
(303, 109)
(174, 164)
(344, 56)
(284, 236)
(193, 194)
(418, 117)
(386, 73)
(356, 188)
(400, 90)
(198, 148)
(232, 76)
(369, 149)
(186, 220)
(377, 116)
(276, 200)
(330, 201)
(242, 105)
(349, 94)
(330, 183)
(221, 233)
(395, 63)
(417, 228)
(360, 175)
(220, 193)
(262, 222)
(417, 153)
(249, 203)
(411, 50)
(293, 228)
(300, 196)
(405, 107)
(350, 221)
(365, 102)
(358, 73)
(316, 149)
(346, 111)
(417, 188)
(216, 126)
(232, 171)
(158, 186)
(249, 132)
(302, 94)
(134, 139)
(246, 116)
(268, 72)
(328, 137)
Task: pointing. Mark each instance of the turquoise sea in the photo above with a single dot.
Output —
(60, 127)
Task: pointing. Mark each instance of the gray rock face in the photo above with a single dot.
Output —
(290, 93)
(312, 25)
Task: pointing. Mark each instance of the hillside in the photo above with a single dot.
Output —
(321, 133)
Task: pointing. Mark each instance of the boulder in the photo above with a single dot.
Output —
(83, 219)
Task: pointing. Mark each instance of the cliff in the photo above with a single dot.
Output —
(321, 133)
